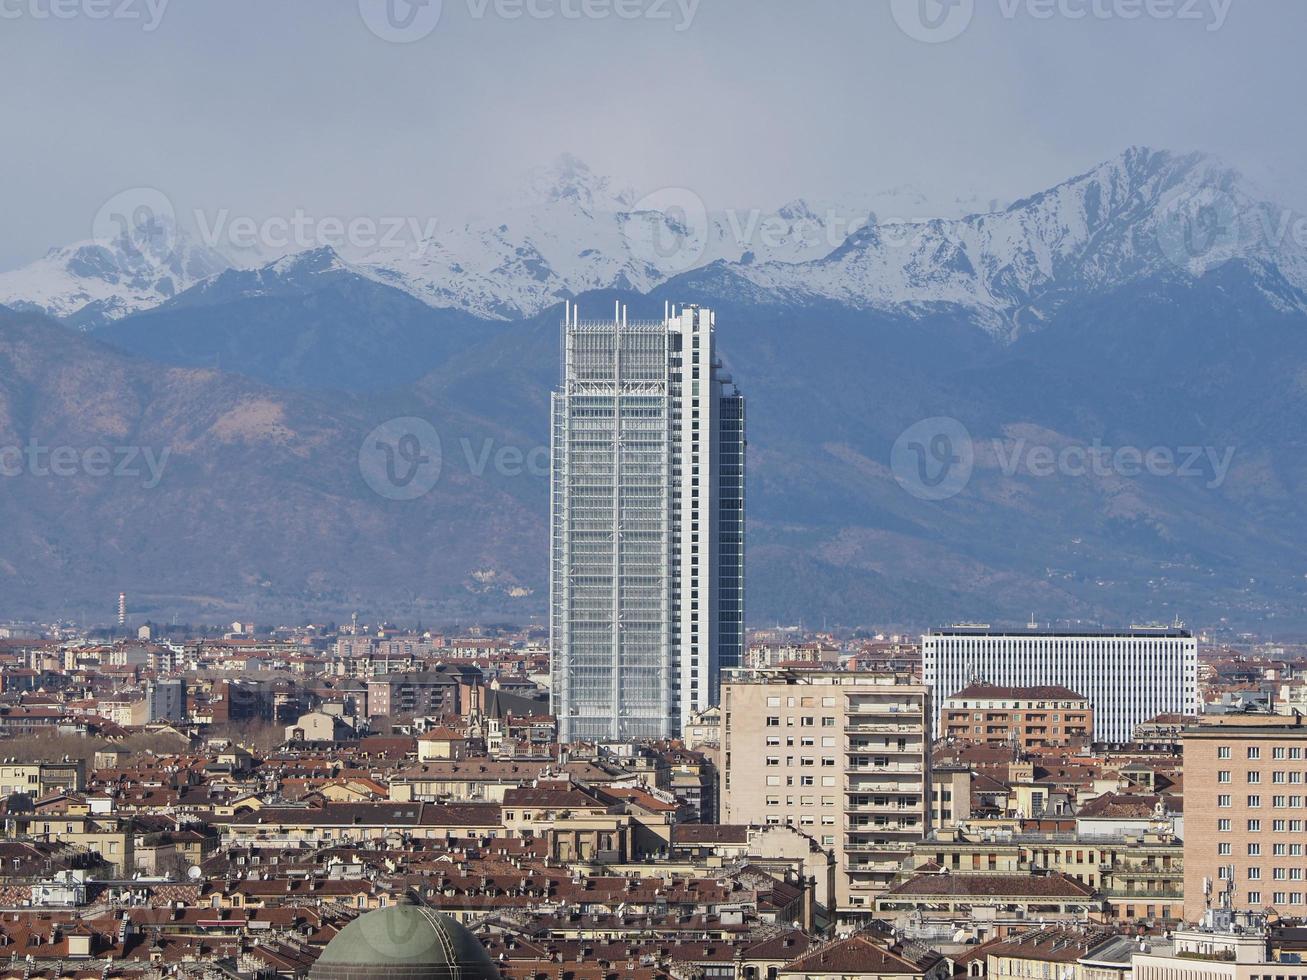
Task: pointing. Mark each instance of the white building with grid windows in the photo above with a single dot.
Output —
(1129, 675)
(647, 530)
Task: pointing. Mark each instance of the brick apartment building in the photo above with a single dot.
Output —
(1245, 790)
(1030, 717)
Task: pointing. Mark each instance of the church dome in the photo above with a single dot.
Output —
(408, 941)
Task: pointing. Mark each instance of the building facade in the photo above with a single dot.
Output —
(842, 756)
(647, 536)
(1245, 790)
(1027, 717)
(1128, 675)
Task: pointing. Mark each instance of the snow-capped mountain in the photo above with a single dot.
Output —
(573, 230)
(105, 279)
(1144, 213)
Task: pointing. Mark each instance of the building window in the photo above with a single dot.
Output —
(1223, 751)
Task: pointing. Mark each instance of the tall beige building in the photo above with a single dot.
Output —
(1245, 785)
(844, 757)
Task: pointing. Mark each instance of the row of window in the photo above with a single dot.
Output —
(803, 781)
(806, 760)
(807, 721)
(1255, 825)
(1255, 752)
(1255, 849)
(1255, 776)
(1224, 800)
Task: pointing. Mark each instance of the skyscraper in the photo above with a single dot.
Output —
(647, 539)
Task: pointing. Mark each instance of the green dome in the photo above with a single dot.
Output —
(408, 941)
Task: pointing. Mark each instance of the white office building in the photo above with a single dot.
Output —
(647, 537)
(1129, 675)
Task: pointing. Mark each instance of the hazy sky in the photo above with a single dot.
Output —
(265, 106)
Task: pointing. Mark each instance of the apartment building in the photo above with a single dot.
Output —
(41, 778)
(1034, 717)
(842, 756)
(1245, 815)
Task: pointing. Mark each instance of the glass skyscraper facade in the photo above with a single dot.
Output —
(647, 535)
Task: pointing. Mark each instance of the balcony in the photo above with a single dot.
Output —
(886, 808)
(917, 828)
(889, 769)
(872, 867)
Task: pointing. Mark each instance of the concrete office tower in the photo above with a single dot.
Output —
(647, 537)
(1129, 675)
(122, 608)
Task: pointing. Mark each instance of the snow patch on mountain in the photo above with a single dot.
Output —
(99, 281)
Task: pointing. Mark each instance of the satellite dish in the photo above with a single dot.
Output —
(195, 874)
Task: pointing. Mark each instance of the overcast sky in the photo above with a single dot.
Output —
(265, 106)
